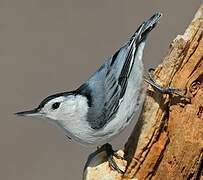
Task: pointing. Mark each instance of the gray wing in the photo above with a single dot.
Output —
(108, 85)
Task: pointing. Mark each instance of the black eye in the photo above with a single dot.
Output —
(55, 105)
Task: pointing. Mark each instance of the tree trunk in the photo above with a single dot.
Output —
(167, 142)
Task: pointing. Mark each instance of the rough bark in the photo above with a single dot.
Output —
(167, 142)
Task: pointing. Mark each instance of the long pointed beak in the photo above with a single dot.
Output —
(30, 113)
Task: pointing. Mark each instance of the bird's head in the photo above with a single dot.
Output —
(55, 107)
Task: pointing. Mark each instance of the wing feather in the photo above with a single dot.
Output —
(108, 85)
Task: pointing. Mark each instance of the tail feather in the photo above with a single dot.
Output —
(139, 36)
(146, 27)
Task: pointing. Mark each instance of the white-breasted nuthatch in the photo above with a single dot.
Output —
(104, 105)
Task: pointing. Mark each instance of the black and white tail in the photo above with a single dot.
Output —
(139, 36)
(145, 28)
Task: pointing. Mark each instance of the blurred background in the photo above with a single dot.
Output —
(49, 46)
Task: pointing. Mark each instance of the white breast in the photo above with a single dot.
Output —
(73, 119)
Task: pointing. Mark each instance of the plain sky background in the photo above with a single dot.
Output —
(49, 46)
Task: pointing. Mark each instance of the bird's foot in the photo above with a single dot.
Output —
(110, 156)
(163, 90)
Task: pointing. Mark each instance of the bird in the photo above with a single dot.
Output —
(106, 103)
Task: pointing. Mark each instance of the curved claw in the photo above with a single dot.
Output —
(167, 90)
(110, 154)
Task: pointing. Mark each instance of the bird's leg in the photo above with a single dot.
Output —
(164, 90)
(110, 154)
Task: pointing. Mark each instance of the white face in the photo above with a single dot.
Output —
(52, 108)
(59, 108)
